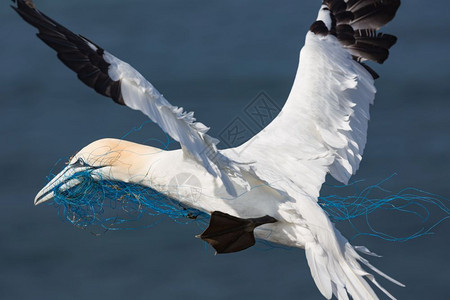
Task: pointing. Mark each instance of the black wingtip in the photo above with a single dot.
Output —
(355, 24)
(23, 5)
(319, 28)
(373, 14)
(77, 52)
(371, 71)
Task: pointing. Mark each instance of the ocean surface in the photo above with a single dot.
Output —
(212, 57)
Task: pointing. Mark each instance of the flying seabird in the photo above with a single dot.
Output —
(271, 183)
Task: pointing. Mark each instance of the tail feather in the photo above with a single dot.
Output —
(336, 269)
(318, 264)
(368, 264)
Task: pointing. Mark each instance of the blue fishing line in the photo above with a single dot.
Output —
(114, 205)
(375, 198)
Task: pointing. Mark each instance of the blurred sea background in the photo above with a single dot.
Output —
(211, 57)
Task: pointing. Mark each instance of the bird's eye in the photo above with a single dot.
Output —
(79, 163)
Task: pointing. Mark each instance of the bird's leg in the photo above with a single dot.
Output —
(229, 234)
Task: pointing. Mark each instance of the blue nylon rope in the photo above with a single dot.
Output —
(113, 205)
(409, 201)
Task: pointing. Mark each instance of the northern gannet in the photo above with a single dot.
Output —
(268, 187)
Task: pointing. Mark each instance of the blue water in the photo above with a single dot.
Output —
(212, 57)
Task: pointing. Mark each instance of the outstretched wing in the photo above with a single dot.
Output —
(116, 79)
(322, 129)
(323, 125)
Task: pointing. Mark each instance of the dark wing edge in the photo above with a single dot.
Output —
(355, 24)
(113, 78)
(77, 52)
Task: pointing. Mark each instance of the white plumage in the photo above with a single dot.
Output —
(279, 172)
(323, 125)
(139, 94)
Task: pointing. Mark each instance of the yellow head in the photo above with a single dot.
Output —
(109, 159)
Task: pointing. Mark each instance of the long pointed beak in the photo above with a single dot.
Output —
(63, 181)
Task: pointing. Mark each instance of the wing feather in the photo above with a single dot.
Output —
(116, 79)
(323, 126)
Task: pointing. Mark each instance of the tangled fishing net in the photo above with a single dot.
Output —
(114, 205)
(362, 209)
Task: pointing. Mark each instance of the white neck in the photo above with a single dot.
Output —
(169, 172)
(180, 177)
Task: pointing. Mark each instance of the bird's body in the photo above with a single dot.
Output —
(147, 166)
(270, 185)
